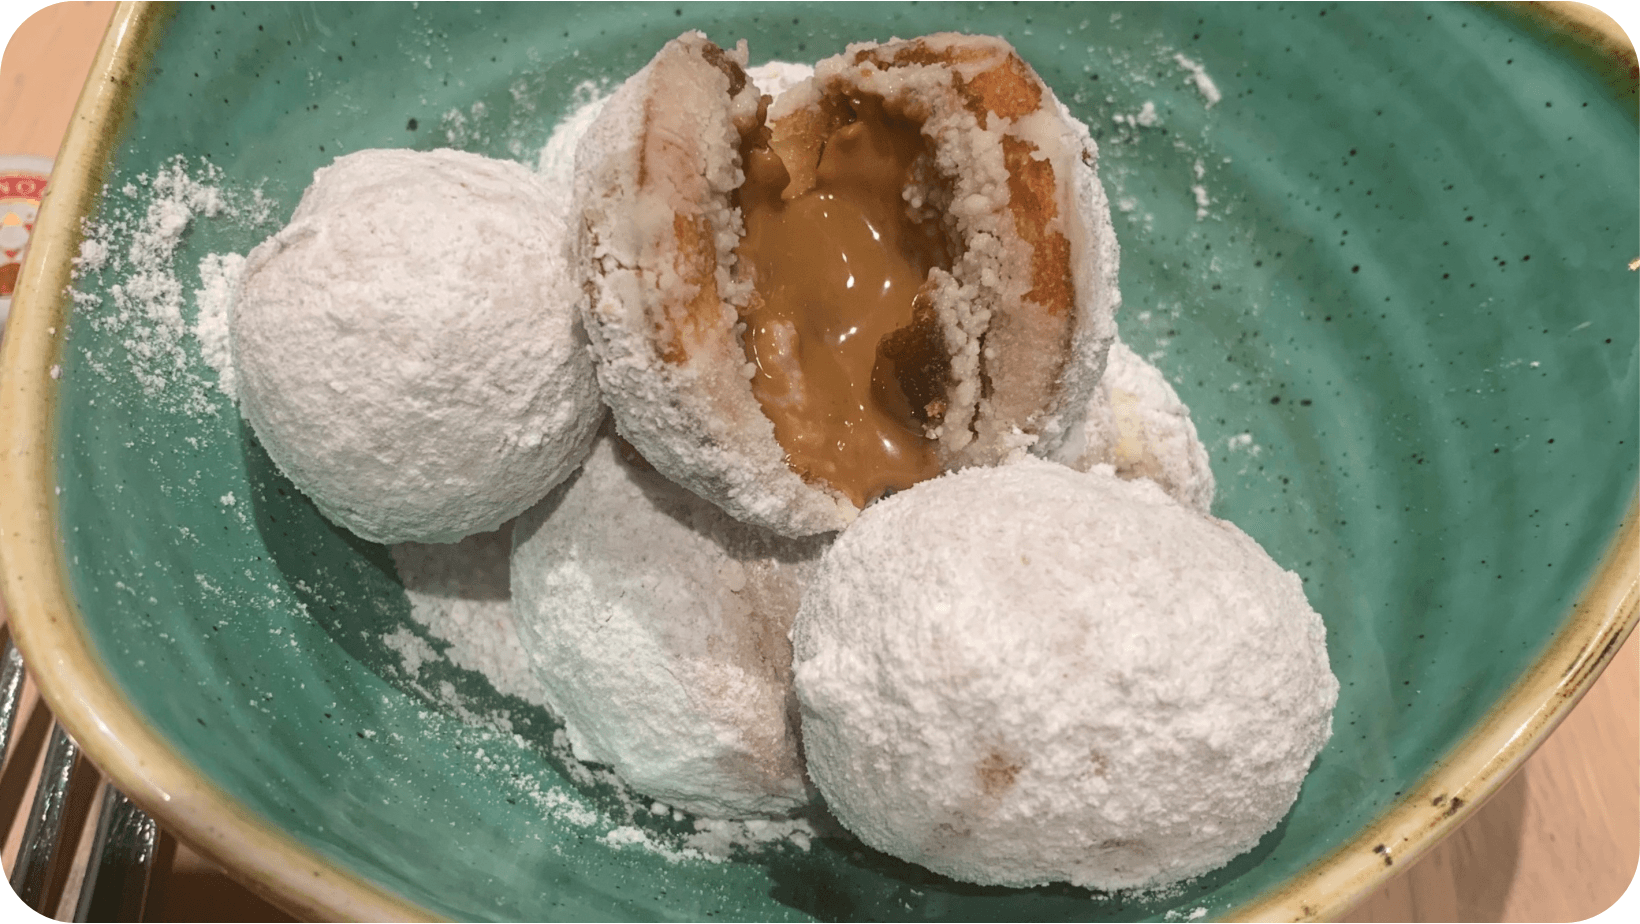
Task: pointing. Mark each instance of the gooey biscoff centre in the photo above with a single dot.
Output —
(848, 363)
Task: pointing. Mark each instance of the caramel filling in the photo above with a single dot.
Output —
(849, 360)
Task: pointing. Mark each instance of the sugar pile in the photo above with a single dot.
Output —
(219, 277)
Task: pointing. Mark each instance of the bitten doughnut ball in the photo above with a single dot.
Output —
(900, 266)
(419, 387)
(1028, 674)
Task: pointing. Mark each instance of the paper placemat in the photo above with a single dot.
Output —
(22, 184)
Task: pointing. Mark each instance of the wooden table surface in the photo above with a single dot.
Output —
(1559, 842)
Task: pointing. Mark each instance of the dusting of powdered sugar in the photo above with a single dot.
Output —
(1146, 117)
(1198, 75)
(556, 162)
(712, 840)
(126, 281)
(1198, 191)
(1143, 68)
(412, 648)
(658, 626)
(459, 593)
(357, 324)
(1136, 422)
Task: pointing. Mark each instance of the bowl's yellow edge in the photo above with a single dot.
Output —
(1604, 615)
(81, 694)
(45, 620)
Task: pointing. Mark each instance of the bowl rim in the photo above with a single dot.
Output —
(49, 629)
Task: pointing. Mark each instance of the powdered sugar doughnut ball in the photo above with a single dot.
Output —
(408, 349)
(658, 627)
(1028, 674)
(1136, 423)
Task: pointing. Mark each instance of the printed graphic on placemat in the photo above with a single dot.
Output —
(21, 187)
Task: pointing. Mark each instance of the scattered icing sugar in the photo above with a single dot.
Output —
(132, 244)
(717, 837)
(457, 126)
(412, 648)
(630, 835)
(714, 840)
(1137, 67)
(1243, 445)
(1198, 75)
(1199, 193)
(460, 593)
(93, 254)
(1146, 117)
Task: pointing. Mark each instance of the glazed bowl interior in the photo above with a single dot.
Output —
(1385, 267)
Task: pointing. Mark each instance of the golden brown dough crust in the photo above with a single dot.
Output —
(1024, 314)
(655, 175)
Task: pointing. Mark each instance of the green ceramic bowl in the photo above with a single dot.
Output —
(1387, 270)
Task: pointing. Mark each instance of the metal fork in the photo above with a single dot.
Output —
(123, 842)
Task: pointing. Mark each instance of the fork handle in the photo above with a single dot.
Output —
(45, 820)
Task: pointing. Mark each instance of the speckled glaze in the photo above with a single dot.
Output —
(1402, 317)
